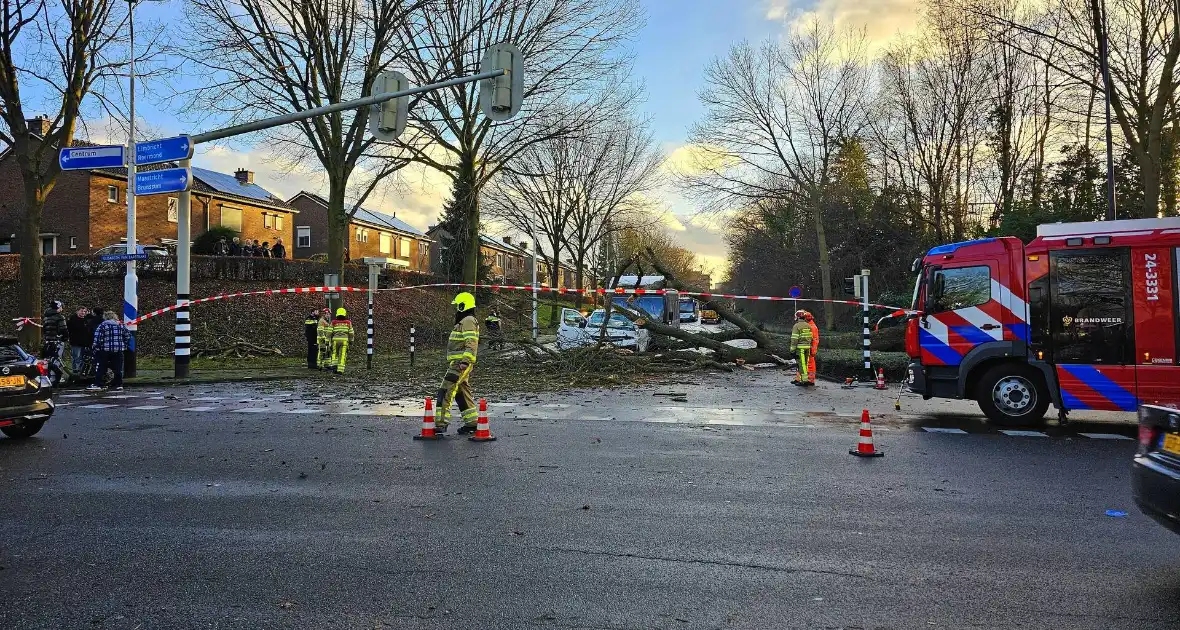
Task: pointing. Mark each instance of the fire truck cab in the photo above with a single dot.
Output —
(1083, 317)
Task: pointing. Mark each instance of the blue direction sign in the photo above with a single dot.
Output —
(167, 180)
(795, 292)
(165, 150)
(122, 257)
(83, 158)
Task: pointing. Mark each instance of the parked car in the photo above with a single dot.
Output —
(1155, 471)
(25, 393)
(159, 258)
(710, 317)
(576, 331)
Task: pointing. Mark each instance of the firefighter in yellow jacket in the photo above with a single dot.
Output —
(324, 337)
(341, 335)
(461, 349)
(801, 344)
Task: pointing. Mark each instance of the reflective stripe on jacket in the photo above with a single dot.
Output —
(463, 341)
(324, 331)
(801, 336)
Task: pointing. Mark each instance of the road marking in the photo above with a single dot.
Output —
(503, 404)
(252, 410)
(148, 407)
(74, 395)
(199, 409)
(97, 406)
(944, 430)
(555, 406)
(303, 411)
(61, 404)
(157, 398)
(594, 419)
(357, 412)
(120, 397)
(1015, 433)
(206, 399)
(1105, 436)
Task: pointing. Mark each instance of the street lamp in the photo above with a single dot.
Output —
(131, 280)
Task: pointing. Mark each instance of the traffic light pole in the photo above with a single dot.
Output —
(184, 203)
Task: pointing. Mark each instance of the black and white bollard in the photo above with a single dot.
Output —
(412, 346)
(183, 335)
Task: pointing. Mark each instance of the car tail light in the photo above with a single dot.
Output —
(912, 347)
(42, 368)
(1148, 436)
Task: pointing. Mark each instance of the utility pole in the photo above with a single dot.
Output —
(535, 241)
(130, 279)
(1104, 61)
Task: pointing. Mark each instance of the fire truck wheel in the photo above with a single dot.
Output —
(1012, 394)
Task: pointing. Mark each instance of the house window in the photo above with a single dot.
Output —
(6, 246)
(358, 235)
(405, 248)
(362, 235)
(48, 245)
(386, 242)
(113, 194)
(500, 260)
(73, 242)
(279, 222)
(303, 236)
(231, 218)
(173, 210)
(268, 221)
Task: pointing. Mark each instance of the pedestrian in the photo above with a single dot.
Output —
(462, 345)
(801, 344)
(235, 247)
(110, 342)
(79, 337)
(279, 250)
(256, 249)
(54, 336)
(814, 347)
(265, 252)
(495, 335)
(324, 337)
(311, 332)
(342, 333)
(221, 248)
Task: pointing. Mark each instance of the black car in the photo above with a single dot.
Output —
(25, 394)
(1155, 477)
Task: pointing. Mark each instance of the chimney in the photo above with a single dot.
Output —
(39, 125)
(243, 176)
(508, 240)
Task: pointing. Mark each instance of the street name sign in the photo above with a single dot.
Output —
(167, 180)
(85, 158)
(163, 150)
(122, 257)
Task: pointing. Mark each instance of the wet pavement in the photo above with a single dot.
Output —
(726, 501)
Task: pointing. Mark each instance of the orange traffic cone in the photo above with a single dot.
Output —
(864, 446)
(483, 431)
(428, 431)
(880, 379)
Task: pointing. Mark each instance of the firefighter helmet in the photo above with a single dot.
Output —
(464, 302)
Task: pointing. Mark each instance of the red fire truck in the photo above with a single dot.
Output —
(1083, 317)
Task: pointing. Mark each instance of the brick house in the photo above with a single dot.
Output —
(370, 235)
(87, 210)
(510, 260)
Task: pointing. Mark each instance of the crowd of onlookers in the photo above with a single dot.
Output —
(96, 338)
(248, 248)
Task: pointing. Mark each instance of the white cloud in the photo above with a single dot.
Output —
(882, 20)
(777, 9)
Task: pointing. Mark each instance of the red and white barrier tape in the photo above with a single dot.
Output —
(21, 321)
(898, 311)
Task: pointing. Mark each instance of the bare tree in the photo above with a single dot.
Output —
(1143, 50)
(573, 58)
(579, 188)
(775, 117)
(58, 50)
(270, 57)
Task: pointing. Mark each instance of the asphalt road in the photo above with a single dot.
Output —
(281, 517)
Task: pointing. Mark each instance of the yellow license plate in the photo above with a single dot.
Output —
(12, 381)
(1172, 443)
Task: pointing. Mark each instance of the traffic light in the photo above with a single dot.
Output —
(388, 120)
(851, 285)
(500, 98)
